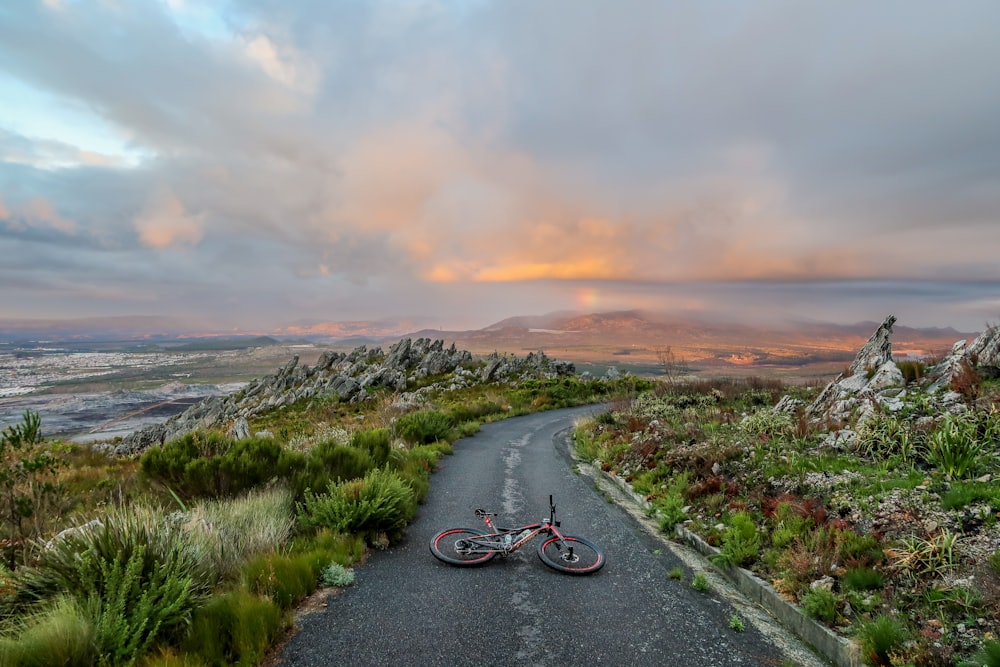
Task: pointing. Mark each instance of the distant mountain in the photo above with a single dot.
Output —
(645, 339)
(635, 336)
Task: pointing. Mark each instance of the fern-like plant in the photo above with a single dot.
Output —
(381, 502)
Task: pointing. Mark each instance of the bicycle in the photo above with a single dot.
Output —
(467, 547)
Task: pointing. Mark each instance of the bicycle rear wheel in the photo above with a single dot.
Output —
(576, 556)
(462, 546)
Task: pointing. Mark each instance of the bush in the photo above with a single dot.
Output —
(285, 579)
(154, 545)
(883, 435)
(820, 604)
(995, 561)
(765, 423)
(209, 464)
(234, 629)
(336, 575)
(130, 608)
(880, 637)
(58, 634)
(425, 426)
(342, 462)
(382, 502)
(954, 446)
(136, 578)
(335, 547)
(475, 411)
(740, 541)
(377, 442)
(862, 579)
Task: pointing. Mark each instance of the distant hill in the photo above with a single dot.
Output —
(627, 337)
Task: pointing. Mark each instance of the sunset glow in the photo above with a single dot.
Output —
(254, 165)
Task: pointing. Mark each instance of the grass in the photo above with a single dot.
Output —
(771, 493)
(700, 583)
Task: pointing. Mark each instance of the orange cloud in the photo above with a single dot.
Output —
(165, 223)
(41, 212)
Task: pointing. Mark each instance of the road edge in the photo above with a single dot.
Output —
(750, 592)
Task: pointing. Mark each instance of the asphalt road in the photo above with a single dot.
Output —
(407, 608)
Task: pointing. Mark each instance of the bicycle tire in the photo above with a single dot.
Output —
(447, 548)
(586, 557)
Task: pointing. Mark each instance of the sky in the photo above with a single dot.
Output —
(256, 163)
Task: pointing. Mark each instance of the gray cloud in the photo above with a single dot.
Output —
(345, 160)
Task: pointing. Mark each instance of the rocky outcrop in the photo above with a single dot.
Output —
(982, 355)
(350, 377)
(873, 379)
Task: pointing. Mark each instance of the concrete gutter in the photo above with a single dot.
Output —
(838, 650)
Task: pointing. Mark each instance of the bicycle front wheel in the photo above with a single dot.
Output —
(576, 556)
(462, 546)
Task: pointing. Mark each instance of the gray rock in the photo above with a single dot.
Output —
(349, 378)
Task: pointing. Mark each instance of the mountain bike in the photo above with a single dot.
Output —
(468, 547)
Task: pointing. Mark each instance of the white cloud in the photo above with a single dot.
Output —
(283, 63)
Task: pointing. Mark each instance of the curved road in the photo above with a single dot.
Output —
(407, 608)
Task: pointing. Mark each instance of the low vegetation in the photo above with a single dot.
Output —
(891, 538)
(222, 537)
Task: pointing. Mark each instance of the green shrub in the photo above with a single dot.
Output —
(954, 446)
(342, 462)
(235, 628)
(285, 579)
(880, 637)
(767, 423)
(146, 545)
(58, 634)
(414, 467)
(820, 604)
(862, 579)
(989, 655)
(335, 547)
(740, 541)
(337, 575)
(425, 426)
(670, 511)
(382, 502)
(131, 608)
(860, 548)
(208, 464)
(912, 370)
(474, 412)
(995, 561)
(789, 523)
(169, 462)
(884, 434)
(377, 442)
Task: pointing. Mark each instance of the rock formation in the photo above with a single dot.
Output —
(872, 379)
(350, 378)
(873, 382)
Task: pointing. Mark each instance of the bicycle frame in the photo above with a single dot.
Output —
(497, 539)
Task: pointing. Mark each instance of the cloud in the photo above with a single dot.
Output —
(165, 223)
(374, 156)
(283, 64)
